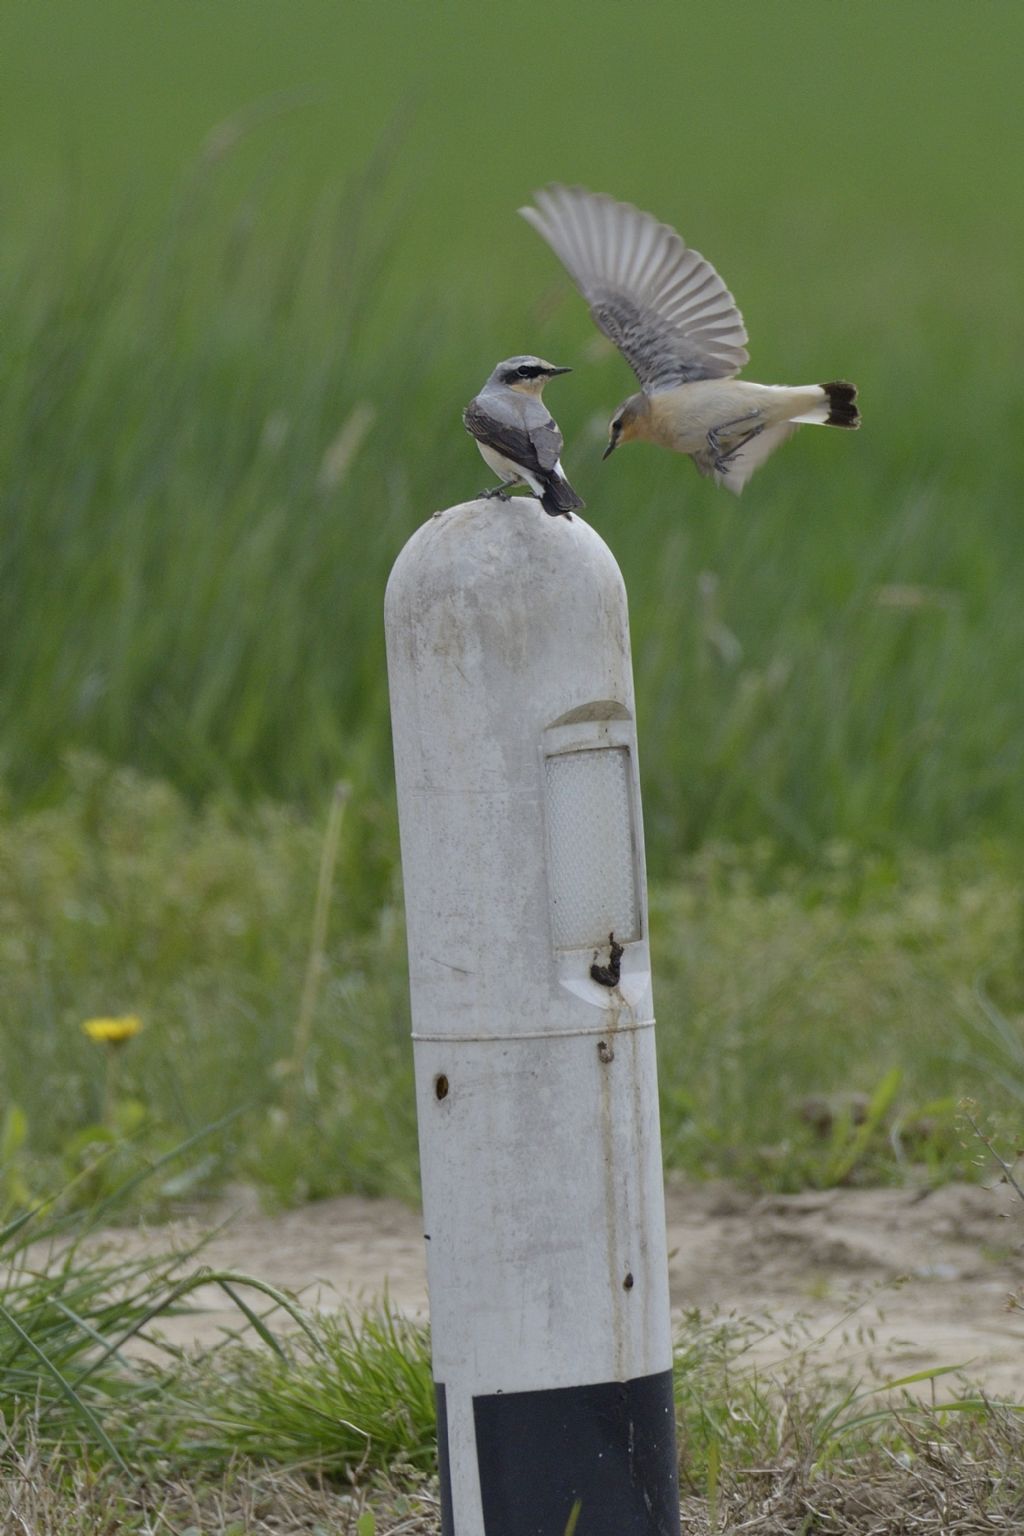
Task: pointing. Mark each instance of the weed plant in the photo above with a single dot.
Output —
(70, 1315)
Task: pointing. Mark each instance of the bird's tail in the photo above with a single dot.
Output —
(837, 409)
(559, 498)
(842, 409)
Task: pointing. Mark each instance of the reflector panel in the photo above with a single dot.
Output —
(591, 865)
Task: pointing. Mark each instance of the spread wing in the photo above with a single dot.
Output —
(665, 307)
(537, 448)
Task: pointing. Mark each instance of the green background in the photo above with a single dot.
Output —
(229, 224)
(254, 258)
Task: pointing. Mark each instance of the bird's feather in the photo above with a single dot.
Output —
(741, 463)
(536, 448)
(665, 307)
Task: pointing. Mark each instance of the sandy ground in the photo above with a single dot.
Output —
(885, 1280)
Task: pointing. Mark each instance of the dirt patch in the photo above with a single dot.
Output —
(904, 1279)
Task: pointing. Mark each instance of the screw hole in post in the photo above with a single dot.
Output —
(604, 1051)
(627, 1284)
(441, 1086)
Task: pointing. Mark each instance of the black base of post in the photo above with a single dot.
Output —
(443, 1466)
(609, 1447)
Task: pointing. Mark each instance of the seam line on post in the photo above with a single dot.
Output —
(541, 1034)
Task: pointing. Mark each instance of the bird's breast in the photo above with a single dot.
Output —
(681, 418)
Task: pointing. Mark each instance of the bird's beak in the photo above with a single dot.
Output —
(553, 371)
(613, 443)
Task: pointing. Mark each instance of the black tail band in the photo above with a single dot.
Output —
(842, 412)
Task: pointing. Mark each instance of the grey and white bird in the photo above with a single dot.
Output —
(517, 436)
(677, 325)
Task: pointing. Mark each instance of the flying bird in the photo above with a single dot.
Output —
(677, 325)
(517, 436)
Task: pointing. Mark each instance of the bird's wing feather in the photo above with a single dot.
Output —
(534, 447)
(665, 307)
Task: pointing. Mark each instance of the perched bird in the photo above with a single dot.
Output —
(677, 325)
(518, 437)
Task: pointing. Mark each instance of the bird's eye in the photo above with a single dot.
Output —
(524, 373)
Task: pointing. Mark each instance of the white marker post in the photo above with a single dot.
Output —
(522, 853)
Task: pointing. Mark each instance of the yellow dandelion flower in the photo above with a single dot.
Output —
(113, 1031)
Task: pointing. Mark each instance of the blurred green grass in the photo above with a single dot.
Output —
(746, 116)
(252, 264)
(211, 458)
(228, 398)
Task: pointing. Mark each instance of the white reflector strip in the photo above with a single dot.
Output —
(592, 865)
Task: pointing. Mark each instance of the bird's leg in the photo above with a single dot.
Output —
(501, 491)
(718, 462)
(721, 454)
(748, 437)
